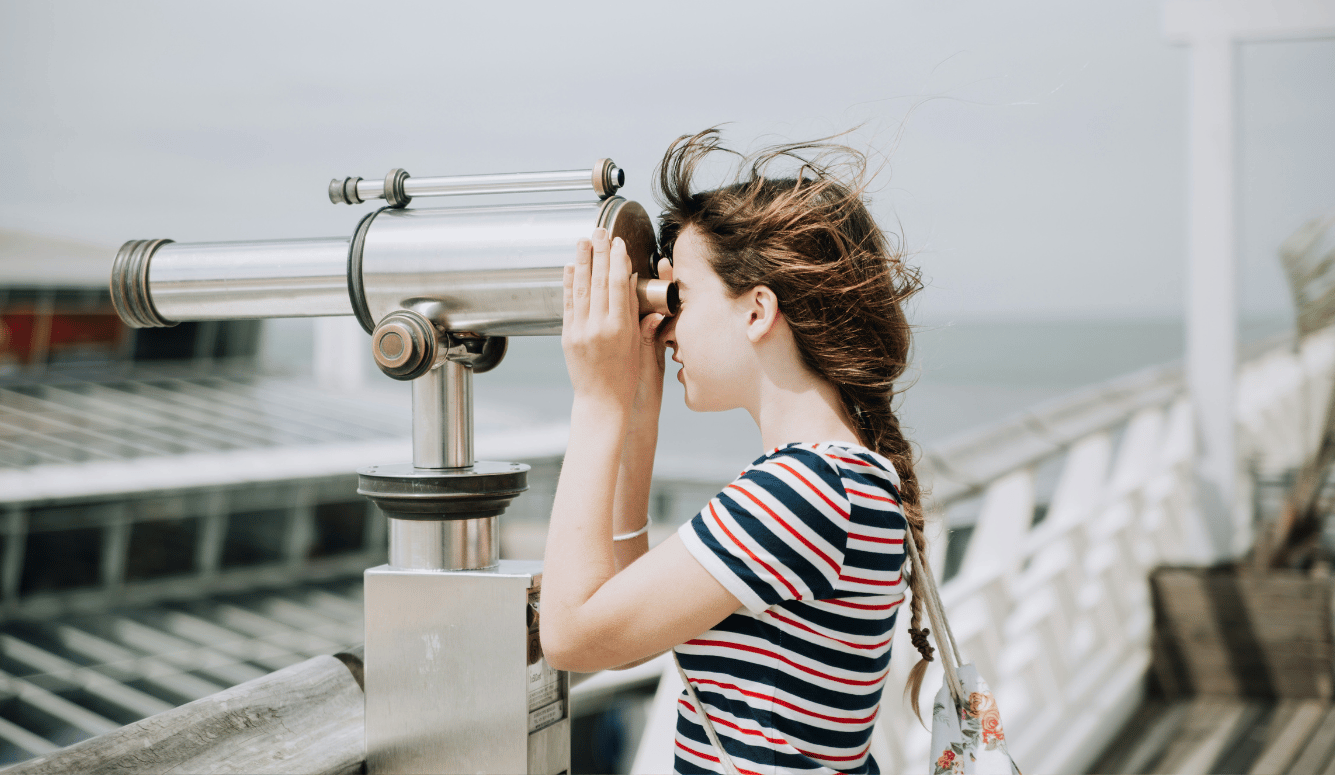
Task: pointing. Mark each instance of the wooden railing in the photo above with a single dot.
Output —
(307, 718)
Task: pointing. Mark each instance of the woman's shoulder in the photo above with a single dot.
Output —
(836, 468)
(845, 459)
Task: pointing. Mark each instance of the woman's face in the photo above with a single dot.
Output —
(708, 334)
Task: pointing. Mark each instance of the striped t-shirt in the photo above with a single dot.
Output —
(810, 538)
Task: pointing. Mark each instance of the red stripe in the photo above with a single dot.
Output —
(802, 626)
(785, 660)
(876, 539)
(730, 725)
(854, 461)
(763, 564)
(788, 527)
(786, 704)
(813, 488)
(864, 606)
(689, 750)
(872, 582)
(862, 494)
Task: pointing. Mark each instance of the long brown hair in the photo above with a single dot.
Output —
(840, 283)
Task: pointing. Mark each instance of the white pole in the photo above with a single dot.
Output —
(1212, 289)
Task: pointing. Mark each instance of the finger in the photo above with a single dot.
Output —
(581, 280)
(622, 278)
(602, 256)
(621, 299)
(568, 297)
(664, 269)
(649, 329)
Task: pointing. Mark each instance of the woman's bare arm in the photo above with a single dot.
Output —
(594, 617)
(630, 512)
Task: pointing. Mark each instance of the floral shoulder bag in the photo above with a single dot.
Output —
(967, 738)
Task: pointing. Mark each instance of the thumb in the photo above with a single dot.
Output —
(649, 327)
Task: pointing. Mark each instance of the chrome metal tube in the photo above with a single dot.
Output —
(236, 280)
(604, 179)
(454, 544)
(443, 417)
(491, 271)
(460, 185)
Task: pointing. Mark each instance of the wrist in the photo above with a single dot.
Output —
(600, 417)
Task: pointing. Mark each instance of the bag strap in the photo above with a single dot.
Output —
(931, 600)
(724, 759)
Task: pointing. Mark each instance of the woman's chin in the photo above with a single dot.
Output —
(701, 403)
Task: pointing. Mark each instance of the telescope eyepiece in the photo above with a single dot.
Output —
(657, 296)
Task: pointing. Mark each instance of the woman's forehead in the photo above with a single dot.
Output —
(689, 251)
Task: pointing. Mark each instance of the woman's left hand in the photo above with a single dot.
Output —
(599, 327)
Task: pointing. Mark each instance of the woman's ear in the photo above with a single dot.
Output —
(762, 309)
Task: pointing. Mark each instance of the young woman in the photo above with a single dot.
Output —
(780, 596)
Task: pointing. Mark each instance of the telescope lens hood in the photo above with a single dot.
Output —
(129, 285)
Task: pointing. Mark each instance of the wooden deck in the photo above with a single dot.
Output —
(1225, 735)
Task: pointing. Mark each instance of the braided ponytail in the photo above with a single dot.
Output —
(840, 283)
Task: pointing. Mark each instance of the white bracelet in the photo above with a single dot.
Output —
(636, 534)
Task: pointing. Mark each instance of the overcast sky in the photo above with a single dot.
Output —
(1037, 147)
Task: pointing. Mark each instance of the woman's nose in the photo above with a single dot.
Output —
(668, 333)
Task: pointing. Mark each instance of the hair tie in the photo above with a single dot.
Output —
(919, 639)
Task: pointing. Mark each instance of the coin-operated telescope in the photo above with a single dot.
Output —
(455, 677)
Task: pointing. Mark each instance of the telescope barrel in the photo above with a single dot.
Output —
(484, 271)
(161, 283)
(493, 271)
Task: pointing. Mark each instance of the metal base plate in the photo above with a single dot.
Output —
(405, 492)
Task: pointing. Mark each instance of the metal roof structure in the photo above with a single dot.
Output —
(142, 515)
(67, 679)
(169, 531)
(107, 429)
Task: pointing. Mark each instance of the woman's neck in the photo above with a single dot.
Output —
(799, 407)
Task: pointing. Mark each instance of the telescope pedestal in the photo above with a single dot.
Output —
(455, 678)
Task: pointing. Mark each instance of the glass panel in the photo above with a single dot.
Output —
(161, 548)
(255, 537)
(61, 559)
(339, 527)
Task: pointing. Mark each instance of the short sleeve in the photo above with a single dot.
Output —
(777, 533)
